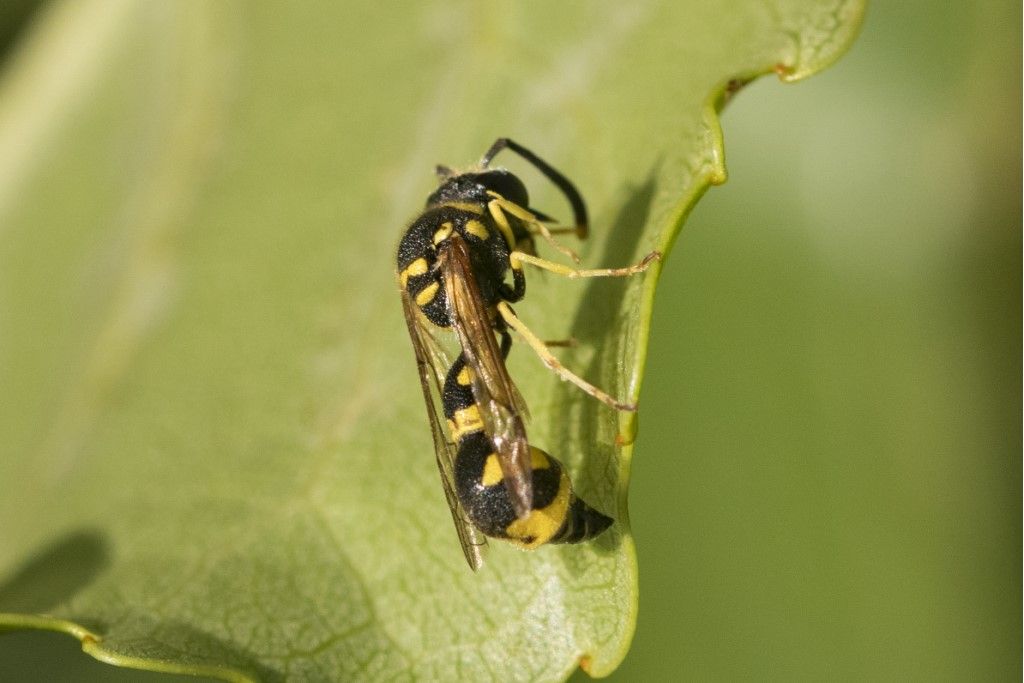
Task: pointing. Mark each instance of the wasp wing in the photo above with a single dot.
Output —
(495, 393)
(432, 366)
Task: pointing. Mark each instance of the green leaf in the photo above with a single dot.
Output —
(215, 457)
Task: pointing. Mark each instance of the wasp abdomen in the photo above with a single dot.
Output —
(557, 515)
(581, 524)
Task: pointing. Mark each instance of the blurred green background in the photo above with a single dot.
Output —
(827, 482)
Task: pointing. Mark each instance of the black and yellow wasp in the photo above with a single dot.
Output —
(452, 267)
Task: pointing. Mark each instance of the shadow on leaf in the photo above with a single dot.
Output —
(56, 573)
(599, 312)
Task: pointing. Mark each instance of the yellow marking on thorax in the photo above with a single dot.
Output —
(466, 206)
(465, 421)
(443, 232)
(477, 229)
(541, 525)
(427, 294)
(417, 267)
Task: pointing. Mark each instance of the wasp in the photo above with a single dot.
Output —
(453, 267)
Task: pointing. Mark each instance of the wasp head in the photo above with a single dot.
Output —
(473, 187)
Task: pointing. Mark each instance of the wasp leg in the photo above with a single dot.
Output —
(542, 351)
(518, 290)
(498, 206)
(506, 342)
(579, 209)
(518, 258)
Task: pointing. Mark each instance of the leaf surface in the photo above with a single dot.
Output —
(215, 455)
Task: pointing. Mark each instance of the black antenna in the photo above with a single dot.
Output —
(579, 209)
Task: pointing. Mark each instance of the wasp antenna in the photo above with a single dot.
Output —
(579, 209)
(497, 146)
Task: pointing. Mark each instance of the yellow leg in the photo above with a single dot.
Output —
(519, 257)
(499, 206)
(499, 217)
(553, 363)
